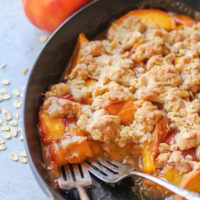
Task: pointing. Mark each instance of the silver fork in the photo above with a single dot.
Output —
(113, 172)
(75, 176)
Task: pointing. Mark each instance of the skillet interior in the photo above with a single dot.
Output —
(50, 65)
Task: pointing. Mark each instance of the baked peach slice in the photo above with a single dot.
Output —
(191, 152)
(90, 82)
(191, 182)
(114, 108)
(173, 175)
(87, 97)
(170, 139)
(151, 16)
(148, 164)
(117, 153)
(50, 128)
(182, 20)
(127, 113)
(81, 42)
(68, 97)
(70, 150)
(125, 110)
(160, 133)
(96, 148)
(74, 147)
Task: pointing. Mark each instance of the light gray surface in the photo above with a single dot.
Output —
(19, 46)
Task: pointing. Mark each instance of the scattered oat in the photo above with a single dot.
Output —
(6, 96)
(16, 115)
(25, 70)
(23, 159)
(43, 38)
(21, 94)
(17, 104)
(3, 91)
(2, 141)
(7, 116)
(13, 131)
(23, 154)
(14, 157)
(13, 123)
(2, 66)
(3, 110)
(2, 147)
(16, 92)
(6, 135)
(5, 82)
(1, 122)
(5, 128)
(21, 137)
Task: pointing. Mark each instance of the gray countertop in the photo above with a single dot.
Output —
(19, 46)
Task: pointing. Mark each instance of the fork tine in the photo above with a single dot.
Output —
(86, 173)
(74, 175)
(108, 165)
(101, 168)
(68, 182)
(61, 182)
(99, 175)
(77, 172)
(116, 164)
(68, 173)
(125, 170)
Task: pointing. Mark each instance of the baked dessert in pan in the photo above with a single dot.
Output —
(133, 95)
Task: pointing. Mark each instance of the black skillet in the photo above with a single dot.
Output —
(50, 65)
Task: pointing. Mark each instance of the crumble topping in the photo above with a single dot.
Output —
(157, 69)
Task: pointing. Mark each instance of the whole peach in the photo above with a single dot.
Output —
(49, 14)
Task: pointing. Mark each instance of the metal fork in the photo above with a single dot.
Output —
(113, 172)
(75, 176)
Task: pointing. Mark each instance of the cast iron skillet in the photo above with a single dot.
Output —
(50, 65)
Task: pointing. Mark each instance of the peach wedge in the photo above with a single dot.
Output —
(51, 128)
(151, 16)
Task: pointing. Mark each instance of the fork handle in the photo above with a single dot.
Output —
(177, 190)
(82, 193)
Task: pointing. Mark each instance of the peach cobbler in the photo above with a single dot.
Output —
(135, 95)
